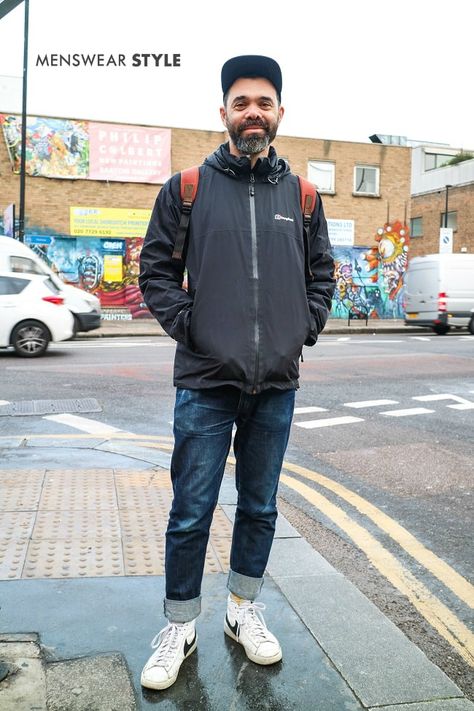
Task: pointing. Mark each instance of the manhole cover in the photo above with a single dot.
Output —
(50, 407)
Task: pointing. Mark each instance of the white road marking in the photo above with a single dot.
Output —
(370, 403)
(95, 344)
(83, 424)
(370, 342)
(312, 424)
(304, 410)
(4, 402)
(420, 338)
(344, 338)
(407, 412)
(461, 402)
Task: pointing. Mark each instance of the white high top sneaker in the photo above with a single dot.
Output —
(173, 644)
(246, 625)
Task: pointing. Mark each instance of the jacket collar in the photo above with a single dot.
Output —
(270, 168)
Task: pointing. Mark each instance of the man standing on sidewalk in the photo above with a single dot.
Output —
(240, 328)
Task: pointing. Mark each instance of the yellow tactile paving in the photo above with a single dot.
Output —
(12, 557)
(221, 526)
(221, 548)
(76, 524)
(92, 522)
(73, 558)
(146, 522)
(16, 524)
(78, 490)
(20, 489)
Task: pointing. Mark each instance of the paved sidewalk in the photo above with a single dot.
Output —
(82, 553)
(149, 327)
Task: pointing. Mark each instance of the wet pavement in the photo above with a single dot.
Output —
(81, 574)
(82, 555)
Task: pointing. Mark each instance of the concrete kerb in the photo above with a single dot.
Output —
(377, 661)
(148, 327)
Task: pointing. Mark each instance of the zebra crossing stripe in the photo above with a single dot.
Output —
(329, 422)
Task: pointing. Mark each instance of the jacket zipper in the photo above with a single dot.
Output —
(253, 227)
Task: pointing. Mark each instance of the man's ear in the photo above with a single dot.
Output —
(223, 114)
(281, 112)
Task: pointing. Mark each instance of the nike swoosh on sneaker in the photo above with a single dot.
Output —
(188, 645)
(234, 628)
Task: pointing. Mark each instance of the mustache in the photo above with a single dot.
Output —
(254, 123)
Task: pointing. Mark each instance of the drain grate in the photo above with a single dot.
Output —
(50, 407)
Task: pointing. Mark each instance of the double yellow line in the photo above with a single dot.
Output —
(433, 610)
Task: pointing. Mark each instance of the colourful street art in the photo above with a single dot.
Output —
(64, 148)
(82, 262)
(369, 280)
(55, 148)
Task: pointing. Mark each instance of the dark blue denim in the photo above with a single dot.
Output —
(203, 422)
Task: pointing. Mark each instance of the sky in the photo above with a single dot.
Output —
(350, 69)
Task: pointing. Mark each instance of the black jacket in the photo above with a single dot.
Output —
(248, 310)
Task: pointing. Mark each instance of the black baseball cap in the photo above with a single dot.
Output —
(251, 66)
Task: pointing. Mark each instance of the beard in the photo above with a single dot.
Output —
(252, 143)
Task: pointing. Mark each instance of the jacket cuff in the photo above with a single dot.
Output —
(181, 327)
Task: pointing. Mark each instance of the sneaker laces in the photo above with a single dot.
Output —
(252, 612)
(166, 643)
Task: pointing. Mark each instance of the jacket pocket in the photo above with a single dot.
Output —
(181, 327)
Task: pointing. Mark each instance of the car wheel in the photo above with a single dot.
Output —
(441, 329)
(471, 325)
(30, 339)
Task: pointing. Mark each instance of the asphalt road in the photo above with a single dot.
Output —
(378, 472)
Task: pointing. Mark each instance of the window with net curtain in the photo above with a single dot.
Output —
(366, 179)
(322, 174)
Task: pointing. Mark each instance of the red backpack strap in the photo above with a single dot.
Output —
(188, 190)
(309, 199)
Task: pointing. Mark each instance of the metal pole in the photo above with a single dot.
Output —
(446, 207)
(21, 233)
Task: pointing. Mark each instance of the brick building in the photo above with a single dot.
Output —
(365, 187)
(432, 180)
(359, 181)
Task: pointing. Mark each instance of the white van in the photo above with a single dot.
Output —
(439, 292)
(17, 257)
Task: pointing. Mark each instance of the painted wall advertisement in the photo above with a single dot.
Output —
(65, 148)
(369, 280)
(108, 268)
(108, 222)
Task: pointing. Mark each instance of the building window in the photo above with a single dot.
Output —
(416, 227)
(452, 220)
(436, 160)
(366, 180)
(322, 174)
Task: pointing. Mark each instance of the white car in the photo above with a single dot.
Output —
(17, 257)
(32, 313)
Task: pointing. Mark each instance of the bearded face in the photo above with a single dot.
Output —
(251, 115)
(247, 141)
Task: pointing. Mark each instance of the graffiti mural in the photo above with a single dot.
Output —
(369, 280)
(107, 268)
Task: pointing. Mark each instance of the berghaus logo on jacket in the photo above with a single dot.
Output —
(282, 217)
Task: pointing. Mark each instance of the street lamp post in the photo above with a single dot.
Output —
(21, 234)
(446, 206)
(7, 6)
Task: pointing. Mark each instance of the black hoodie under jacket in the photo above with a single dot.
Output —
(248, 310)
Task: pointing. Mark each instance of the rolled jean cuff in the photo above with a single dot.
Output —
(243, 585)
(182, 610)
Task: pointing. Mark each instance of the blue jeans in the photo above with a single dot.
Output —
(203, 422)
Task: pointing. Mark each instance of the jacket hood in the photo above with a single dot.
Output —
(270, 168)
